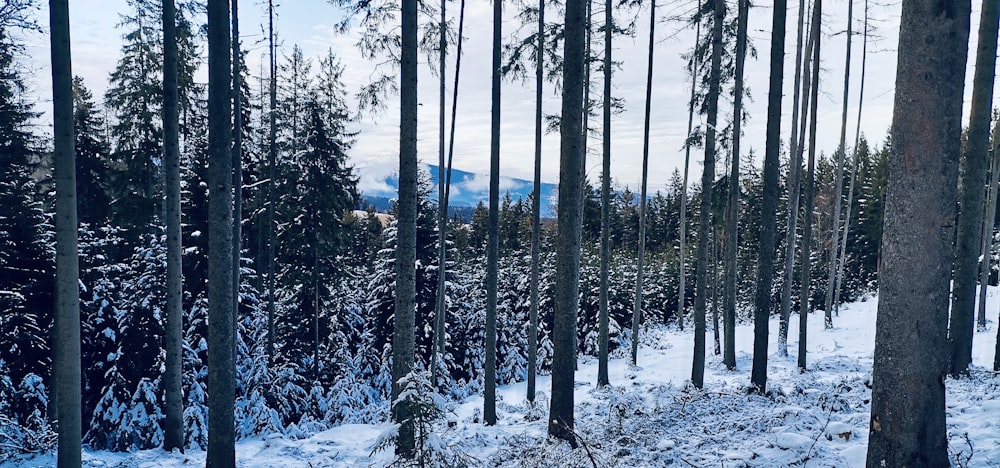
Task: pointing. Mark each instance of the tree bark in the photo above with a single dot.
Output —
(988, 222)
(602, 354)
(768, 225)
(66, 329)
(437, 349)
(733, 208)
(807, 226)
(971, 195)
(536, 222)
(682, 235)
(707, 179)
(908, 394)
(221, 364)
(571, 157)
(173, 407)
(272, 160)
(493, 247)
(641, 257)
(237, 156)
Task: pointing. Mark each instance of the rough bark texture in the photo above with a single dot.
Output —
(972, 194)
(908, 412)
(571, 157)
(221, 364)
(707, 179)
(807, 225)
(795, 183)
(602, 358)
(173, 407)
(641, 259)
(768, 225)
(403, 336)
(733, 208)
(493, 247)
(66, 329)
(536, 210)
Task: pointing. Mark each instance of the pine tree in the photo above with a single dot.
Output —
(92, 152)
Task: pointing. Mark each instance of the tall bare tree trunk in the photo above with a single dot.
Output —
(173, 407)
(237, 155)
(437, 349)
(536, 208)
(831, 277)
(682, 252)
(707, 179)
(602, 359)
(795, 180)
(571, 157)
(971, 195)
(221, 364)
(908, 391)
(66, 329)
(733, 208)
(272, 161)
(988, 222)
(641, 257)
(807, 226)
(493, 247)
(768, 225)
(714, 287)
(854, 171)
(404, 334)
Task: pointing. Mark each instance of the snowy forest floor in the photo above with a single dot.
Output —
(650, 417)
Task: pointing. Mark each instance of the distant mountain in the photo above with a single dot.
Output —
(467, 190)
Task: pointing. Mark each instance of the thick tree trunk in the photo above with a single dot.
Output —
(807, 226)
(831, 277)
(404, 334)
(66, 329)
(536, 221)
(571, 157)
(971, 194)
(493, 247)
(795, 180)
(733, 208)
(221, 364)
(707, 179)
(641, 257)
(602, 355)
(908, 393)
(173, 407)
(768, 225)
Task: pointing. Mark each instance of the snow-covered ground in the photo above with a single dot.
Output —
(650, 417)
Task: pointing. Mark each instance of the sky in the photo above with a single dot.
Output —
(96, 44)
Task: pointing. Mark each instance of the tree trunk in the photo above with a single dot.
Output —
(908, 392)
(404, 334)
(602, 355)
(536, 222)
(237, 156)
(768, 225)
(854, 171)
(437, 349)
(807, 226)
(714, 261)
(571, 157)
(991, 209)
(272, 160)
(641, 257)
(66, 328)
(795, 181)
(831, 277)
(493, 247)
(682, 235)
(173, 407)
(971, 195)
(221, 364)
(732, 215)
(707, 179)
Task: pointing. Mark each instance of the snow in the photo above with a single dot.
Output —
(650, 416)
